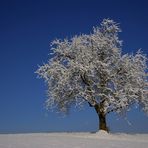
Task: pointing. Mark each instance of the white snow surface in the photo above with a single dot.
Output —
(73, 140)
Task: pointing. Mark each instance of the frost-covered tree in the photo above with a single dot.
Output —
(91, 68)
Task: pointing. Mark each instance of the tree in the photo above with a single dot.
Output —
(91, 68)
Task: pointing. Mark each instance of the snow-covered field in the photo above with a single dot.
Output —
(73, 140)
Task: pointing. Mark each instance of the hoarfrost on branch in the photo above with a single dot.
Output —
(91, 68)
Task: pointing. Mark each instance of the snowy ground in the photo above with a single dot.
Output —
(73, 140)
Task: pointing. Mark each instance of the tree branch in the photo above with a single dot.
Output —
(87, 83)
(84, 79)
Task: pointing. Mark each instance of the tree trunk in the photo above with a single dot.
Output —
(102, 122)
(102, 119)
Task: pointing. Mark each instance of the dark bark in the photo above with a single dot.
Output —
(102, 119)
(102, 122)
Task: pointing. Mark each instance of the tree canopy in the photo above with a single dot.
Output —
(92, 68)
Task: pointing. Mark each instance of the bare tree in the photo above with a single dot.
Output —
(91, 68)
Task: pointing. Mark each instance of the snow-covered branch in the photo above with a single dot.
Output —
(91, 68)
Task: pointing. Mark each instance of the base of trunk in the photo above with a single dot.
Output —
(102, 119)
(102, 124)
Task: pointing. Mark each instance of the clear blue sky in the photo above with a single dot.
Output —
(26, 29)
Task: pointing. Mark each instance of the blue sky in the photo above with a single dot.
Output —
(26, 29)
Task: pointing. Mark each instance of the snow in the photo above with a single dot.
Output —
(73, 140)
(92, 68)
